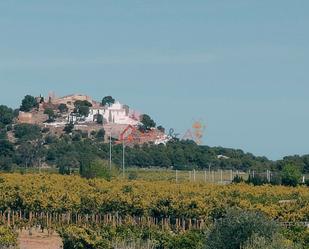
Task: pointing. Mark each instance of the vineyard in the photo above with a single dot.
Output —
(72, 195)
(120, 213)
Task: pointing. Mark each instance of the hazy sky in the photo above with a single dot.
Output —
(241, 66)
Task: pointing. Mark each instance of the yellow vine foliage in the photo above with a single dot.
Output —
(57, 193)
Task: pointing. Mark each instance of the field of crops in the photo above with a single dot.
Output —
(158, 199)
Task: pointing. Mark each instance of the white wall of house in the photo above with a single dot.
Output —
(115, 113)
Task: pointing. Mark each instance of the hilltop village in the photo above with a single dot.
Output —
(81, 113)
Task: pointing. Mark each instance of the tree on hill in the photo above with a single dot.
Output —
(84, 111)
(28, 103)
(7, 152)
(6, 115)
(27, 132)
(3, 134)
(30, 153)
(6, 148)
(82, 107)
(68, 128)
(63, 108)
(108, 100)
(161, 128)
(100, 118)
(78, 103)
(50, 113)
(101, 134)
(147, 122)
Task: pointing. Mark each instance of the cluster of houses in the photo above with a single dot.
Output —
(118, 120)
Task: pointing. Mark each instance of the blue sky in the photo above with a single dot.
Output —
(241, 66)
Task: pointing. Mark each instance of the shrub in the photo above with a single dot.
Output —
(298, 234)
(238, 179)
(8, 237)
(291, 175)
(75, 237)
(237, 227)
(96, 169)
(277, 242)
(257, 180)
(189, 240)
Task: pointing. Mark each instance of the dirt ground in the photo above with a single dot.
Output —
(39, 240)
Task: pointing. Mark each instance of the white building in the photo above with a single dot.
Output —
(114, 114)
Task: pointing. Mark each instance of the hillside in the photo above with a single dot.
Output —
(82, 113)
(71, 132)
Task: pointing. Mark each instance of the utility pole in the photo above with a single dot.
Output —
(267, 175)
(205, 176)
(209, 172)
(194, 175)
(123, 160)
(110, 150)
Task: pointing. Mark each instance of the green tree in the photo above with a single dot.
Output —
(96, 169)
(108, 100)
(100, 119)
(6, 163)
(82, 107)
(79, 103)
(28, 103)
(6, 148)
(6, 115)
(100, 134)
(50, 113)
(63, 108)
(161, 128)
(3, 133)
(147, 122)
(27, 132)
(7, 152)
(68, 128)
(237, 227)
(84, 111)
(31, 154)
(68, 163)
(290, 175)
